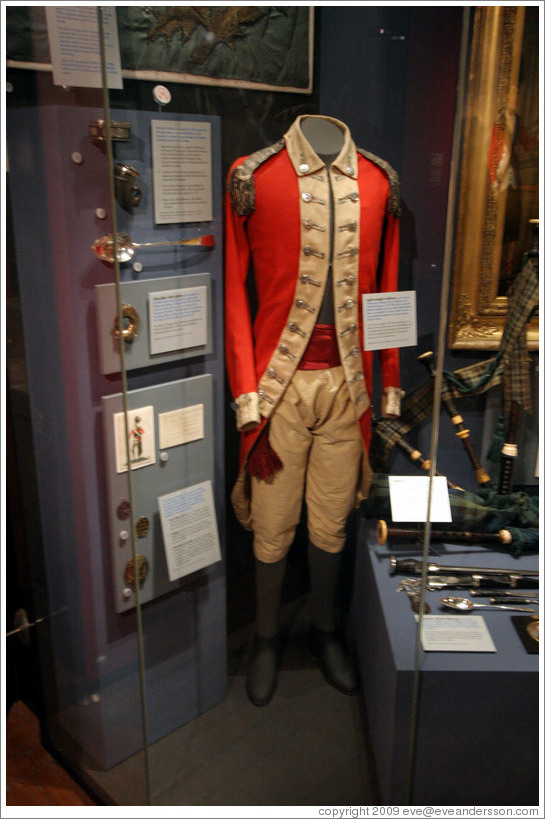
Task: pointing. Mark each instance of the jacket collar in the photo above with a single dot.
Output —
(306, 161)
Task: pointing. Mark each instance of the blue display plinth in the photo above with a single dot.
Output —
(477, 734)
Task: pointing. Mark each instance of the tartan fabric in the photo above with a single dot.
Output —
(484, 511)
(509, 366)
(511, 360)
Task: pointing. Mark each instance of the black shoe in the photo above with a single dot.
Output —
(263, 671)
(335, 663)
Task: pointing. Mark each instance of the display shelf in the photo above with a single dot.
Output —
(477, 735)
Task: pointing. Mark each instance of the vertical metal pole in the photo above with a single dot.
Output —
(111, 184)
(436, 408)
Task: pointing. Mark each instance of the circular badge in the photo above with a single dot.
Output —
(132, 576)
(161, 95)
(142, 526)
(123, 509)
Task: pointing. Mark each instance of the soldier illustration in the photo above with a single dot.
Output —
(135, 439)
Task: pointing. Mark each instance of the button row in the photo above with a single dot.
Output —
(305, 168)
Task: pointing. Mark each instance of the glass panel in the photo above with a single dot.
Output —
(90, 697)
(186, 129)
(140, 579)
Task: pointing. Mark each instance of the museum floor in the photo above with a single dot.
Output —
(307, 747)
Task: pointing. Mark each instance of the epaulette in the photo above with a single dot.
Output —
(394, 203)
(241, 183)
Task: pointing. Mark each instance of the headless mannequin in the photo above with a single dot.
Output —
(324, 136)
(327, 140)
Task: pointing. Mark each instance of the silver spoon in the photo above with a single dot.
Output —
(462, 604)
(104, 247)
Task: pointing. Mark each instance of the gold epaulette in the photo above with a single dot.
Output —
(241, 183)
(394, 203)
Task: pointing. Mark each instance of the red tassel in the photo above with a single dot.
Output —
(263, 461)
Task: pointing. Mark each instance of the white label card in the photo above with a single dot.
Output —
(182, 171)
(389, 320)
(455, 632)
(181, 426)
(140, 446)
(409, 499)
(178, 319)
(190, 531)
(75, 49)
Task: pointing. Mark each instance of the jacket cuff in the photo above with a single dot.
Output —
(247, 410)
(391, 402)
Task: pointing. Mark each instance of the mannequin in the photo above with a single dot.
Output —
(323, 135)
(298, 373)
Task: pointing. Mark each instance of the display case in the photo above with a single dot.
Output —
(121, 126)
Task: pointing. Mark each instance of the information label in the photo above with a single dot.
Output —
(190, 531)
(409, 497)
(178, 319)
(452, 632)
(389, 320)
(181, 426)
(75, 48)
(182, 171)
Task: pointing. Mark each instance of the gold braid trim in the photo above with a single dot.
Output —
(241, 183)
(394, 205)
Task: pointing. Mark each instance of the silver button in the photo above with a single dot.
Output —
(303, 167)
(264, 397)
(350, 279)
(301, 303)
(350, 170)
(271, 372)
(306, 197)
(285, 351)
(306, 279)
(294, 328)
(310, 251)
(353, 197)
(352, 251)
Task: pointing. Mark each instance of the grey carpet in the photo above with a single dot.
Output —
(306, 747)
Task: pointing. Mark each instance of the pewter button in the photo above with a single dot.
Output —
(303, 167)
(350, 170)
(306, 197)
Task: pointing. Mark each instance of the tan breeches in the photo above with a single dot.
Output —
(315, 432)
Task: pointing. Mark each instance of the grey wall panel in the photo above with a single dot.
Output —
(187, 464)
(137, 352)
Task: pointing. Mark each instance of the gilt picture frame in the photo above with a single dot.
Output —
(498, 195)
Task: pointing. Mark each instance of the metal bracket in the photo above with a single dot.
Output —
(119, 131)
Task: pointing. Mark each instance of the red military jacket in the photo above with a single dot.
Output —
(289, 216)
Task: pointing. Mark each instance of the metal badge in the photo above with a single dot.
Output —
(142, 569)
(142, 526)
(123, 509)
(130, 329)
(127, 192)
